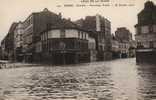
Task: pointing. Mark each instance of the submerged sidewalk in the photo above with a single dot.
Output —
(6, 64)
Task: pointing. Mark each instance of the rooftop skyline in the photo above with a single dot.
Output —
(19, 10)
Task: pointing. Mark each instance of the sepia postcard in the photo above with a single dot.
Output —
(78, 50)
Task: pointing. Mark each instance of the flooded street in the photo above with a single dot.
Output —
(113, 80)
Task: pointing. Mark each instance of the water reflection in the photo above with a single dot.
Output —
(115, 80)
(147, 82)
(124, 76)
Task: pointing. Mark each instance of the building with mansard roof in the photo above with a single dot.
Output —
(146, 34)
(66, 43)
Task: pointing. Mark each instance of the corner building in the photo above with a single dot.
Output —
(33, 26)
(146, 34)
(66, 43)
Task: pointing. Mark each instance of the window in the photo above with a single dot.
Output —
(144, 29)
(43, 36)
(151, 44)
(62, 35)
(154, 28)
(82, 35)
(46, 35)
(79, 34)
(139, 45)
(150, 29)
(38, 47)
(136, 30)
(85, 35)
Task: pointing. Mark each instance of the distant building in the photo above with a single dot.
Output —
(124, 38)
(102, 27)
(146, 34)
(132, 48)
(123, 34)
(122, 49)
(115, 48)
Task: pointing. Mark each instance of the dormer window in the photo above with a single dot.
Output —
(154, 28)
(151, 29)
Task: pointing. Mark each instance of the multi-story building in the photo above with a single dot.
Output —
(124, 37)
(132, 48)
(123, 34)
(0, 52)
(146, 34)
(102, 27)
(46, 36)
(18, 42)
(8, 44)
(124, 49)
(66, 43)
(33, 26)
(28, 40)
(115, 48)
(3, 49)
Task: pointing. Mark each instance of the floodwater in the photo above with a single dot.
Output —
(112, 80)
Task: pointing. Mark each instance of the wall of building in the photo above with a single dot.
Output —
(75, 43)
(146, 34)
(145, 39)
(34, 37)
(123, 34)
(68, 33)
(91, 43)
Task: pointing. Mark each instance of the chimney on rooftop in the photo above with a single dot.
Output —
(69, 19)
(45, 9)
(60, 15)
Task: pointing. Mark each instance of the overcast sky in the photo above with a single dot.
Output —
(18, 10)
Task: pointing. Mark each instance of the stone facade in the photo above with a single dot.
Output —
(146, 34)
(33, 26)
(122, 44)
(8, 44)
(46, 36)
(102, 27)
(67, 45)
(123, 34)
(0, 52)
(18, 42)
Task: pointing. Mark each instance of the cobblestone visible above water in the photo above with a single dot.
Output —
(114, 80)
